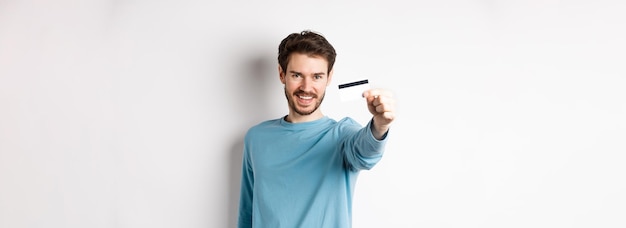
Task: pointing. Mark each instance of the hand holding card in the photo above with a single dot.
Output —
(381, 105)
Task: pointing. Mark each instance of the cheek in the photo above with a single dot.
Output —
(290, 87)
(321, 87)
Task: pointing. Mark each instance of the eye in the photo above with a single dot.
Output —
(318, 77)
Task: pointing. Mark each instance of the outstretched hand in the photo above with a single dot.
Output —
(381, 104)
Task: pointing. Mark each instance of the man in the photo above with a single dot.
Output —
(300, 170)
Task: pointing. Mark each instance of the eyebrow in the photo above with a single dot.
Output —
(299, 73)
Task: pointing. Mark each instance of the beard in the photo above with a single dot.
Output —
(292, 103)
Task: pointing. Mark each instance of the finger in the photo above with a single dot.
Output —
(381, 108)
(377, 93)
(378, 100)
(385, 118)
(385, 107)
(389, 116)
(389, 102)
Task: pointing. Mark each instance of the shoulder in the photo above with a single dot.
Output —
(264, 124)
(347, 125)
(348, 121)
(263, 127)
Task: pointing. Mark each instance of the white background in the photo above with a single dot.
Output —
(131, 113)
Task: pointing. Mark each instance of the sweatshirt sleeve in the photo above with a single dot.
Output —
(361, 150)
(246, 192)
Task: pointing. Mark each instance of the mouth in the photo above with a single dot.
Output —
(305, 99)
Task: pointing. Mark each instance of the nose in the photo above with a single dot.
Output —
(307, 84)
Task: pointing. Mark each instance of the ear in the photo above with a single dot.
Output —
(330, 77)
(281, 74)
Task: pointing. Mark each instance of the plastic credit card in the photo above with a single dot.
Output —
(353, 90)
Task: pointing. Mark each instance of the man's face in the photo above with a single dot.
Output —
(305, 81)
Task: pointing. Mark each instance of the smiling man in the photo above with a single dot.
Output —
(300, 170)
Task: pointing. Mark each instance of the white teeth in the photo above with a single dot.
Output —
(306, 98)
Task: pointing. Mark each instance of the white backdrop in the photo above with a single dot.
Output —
(132, 113)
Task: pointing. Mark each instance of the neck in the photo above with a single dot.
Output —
(294, 117)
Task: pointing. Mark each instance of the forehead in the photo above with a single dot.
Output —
(307, 63)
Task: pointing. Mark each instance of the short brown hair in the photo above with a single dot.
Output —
(308, 43)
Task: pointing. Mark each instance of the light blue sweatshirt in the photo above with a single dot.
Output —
(300, 175)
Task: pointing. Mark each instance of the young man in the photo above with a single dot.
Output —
(300, 170)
